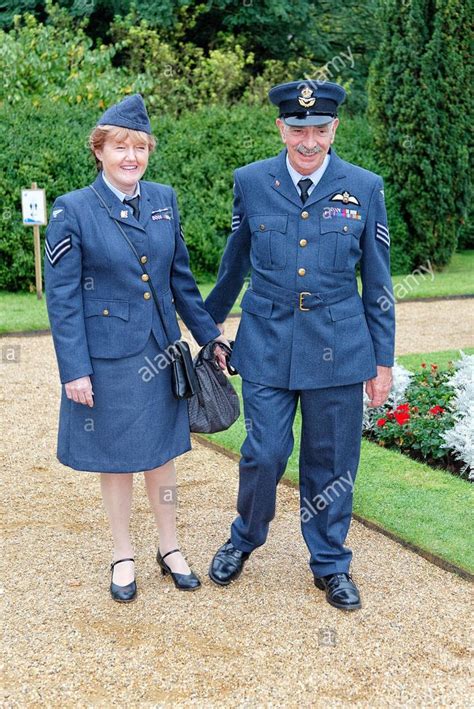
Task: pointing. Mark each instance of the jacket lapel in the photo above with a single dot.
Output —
(330, 181)
(117, 210)
(281, 180)
(146, 205)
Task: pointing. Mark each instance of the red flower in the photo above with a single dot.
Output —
(434, 367)
(423, 364)
(390, 415)
(435, 410)
(405, 408)
(415, 409)
(402, 417)
(381, 422)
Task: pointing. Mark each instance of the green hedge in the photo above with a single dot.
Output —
(420, 96)
(196, 153)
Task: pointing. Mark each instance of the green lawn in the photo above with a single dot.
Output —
(426, 507)
(23, 311)
(442, 358)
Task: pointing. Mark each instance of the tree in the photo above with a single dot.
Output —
(419, 100)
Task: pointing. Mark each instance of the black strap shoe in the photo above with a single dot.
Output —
(341, 591)
(184, 582)
(227, 564)
(122, 594)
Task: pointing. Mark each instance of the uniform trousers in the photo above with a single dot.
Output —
(329, 457)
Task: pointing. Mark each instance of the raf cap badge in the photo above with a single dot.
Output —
(307, 100)
(345, 198)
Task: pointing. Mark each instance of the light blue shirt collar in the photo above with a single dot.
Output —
(120, 195)
(315, 176)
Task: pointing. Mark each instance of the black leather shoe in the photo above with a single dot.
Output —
(122, 594)
(341, 591)
(185, 582)
(227, 564)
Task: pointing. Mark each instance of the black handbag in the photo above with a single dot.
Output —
(184, 382)
(215, 407)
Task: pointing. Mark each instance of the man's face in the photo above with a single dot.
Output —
(307, 146)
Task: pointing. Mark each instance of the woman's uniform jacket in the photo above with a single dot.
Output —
(98, 298)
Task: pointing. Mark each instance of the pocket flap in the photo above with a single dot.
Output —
(347, 308)
(115, 308)
(256, 304)
(341, 225)
(268, 222)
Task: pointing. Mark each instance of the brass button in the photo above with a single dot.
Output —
(303, 242)
(304, 215)
(301, 271)
(105, 311)
(262, 227)
(145, 277)
(345, 228)
(143, 259)
(147, 295)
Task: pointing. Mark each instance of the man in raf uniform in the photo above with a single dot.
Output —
(301, 223)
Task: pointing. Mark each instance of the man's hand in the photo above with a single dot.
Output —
(219, 352)
(80, 391)
(378, 389)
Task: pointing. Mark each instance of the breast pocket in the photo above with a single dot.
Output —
(269, 240)
(336, 240)
(108, 308)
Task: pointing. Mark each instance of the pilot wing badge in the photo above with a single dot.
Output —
(345, 197)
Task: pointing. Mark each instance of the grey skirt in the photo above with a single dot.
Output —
(136, 423)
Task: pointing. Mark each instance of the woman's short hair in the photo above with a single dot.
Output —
(100, 134)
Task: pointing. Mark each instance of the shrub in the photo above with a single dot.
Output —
(421, 120)
(421, 415)
(196, 154)
(460, 438)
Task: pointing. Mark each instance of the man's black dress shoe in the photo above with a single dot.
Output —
(227, 564)
(184, 582)
(341, 591)
(122, 594)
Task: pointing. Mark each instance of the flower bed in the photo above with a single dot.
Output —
(429, 416)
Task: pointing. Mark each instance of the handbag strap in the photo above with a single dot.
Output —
(131, 245)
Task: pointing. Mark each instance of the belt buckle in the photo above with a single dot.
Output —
(302, 295)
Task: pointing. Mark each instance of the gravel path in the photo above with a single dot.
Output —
(269, 640)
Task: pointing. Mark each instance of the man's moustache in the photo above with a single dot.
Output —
(309, 151)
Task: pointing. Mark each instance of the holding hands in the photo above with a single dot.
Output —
(221, 356)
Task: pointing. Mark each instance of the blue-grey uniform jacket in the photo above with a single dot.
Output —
(98, 299)
(304, 324)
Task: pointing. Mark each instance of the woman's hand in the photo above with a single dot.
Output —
(80, 391)
(221, 357)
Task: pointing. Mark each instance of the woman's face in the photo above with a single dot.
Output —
(124, 162)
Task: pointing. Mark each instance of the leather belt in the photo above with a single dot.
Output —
(303, 300)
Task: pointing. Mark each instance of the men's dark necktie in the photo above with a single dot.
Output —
(304, 186)
(133, 203)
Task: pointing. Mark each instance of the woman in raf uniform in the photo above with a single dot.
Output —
(118, 415)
